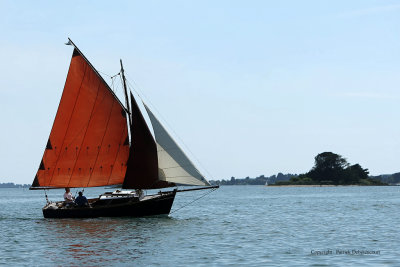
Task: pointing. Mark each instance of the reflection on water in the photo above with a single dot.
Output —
(101, 240)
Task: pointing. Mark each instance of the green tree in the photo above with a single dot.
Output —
(328, 167)
(354, 174)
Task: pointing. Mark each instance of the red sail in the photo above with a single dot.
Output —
(88, 142)
(142, 169)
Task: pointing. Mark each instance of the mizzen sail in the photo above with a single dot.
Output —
(88, 144)
(174, 165)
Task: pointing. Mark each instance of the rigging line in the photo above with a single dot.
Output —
(117, 85)
(211, 177)
(112, 77)
(76, 192)
(138, 91)
(112, 80)
(47, 199)
(108, 75)
(189, 203)
(113, 91)
(114, 87)
(120, 79)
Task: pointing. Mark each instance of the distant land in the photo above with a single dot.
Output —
(260, 180)
(329, 169)
(391, 179)
(12, 185)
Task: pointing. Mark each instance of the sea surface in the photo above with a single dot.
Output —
(233, 226)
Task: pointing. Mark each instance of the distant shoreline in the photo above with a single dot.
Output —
(12, 185)
(308, 185)
(322, 185)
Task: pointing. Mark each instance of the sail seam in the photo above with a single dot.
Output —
(101, 143)
(98, 74)
(116, 156)
(69, 122)
(45, 151)
(179, 166)
(84, 136)
(183, 166)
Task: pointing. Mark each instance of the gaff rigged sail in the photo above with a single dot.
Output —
(88, 144)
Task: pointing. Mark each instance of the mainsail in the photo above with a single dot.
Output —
(174, 166)
(88, 143)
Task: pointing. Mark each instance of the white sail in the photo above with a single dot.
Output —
(174, 166)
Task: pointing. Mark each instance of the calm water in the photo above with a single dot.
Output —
(233, 226)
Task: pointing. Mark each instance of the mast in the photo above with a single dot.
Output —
(126, 93)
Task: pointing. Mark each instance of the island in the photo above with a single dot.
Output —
(329, 169)
(332, 169)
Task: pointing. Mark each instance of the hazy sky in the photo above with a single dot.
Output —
(251, 87)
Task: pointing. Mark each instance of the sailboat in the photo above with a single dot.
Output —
(97, 141)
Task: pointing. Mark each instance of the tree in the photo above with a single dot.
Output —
(354, 174)
(328, 167)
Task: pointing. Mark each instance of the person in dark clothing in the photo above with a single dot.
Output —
(81, 200)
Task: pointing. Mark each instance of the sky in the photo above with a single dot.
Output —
(248, 88)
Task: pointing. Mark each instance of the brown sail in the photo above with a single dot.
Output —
(88, 141)
(142, 170)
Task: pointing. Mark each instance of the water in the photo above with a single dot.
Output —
(233, 226)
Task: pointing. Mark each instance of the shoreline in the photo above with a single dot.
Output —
(308, 185)
(317, 185)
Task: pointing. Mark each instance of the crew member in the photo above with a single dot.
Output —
(68, 198)
(81, 200)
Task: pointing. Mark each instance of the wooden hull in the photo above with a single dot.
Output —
(158, 204)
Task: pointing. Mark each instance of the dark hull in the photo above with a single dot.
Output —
(122, 207)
